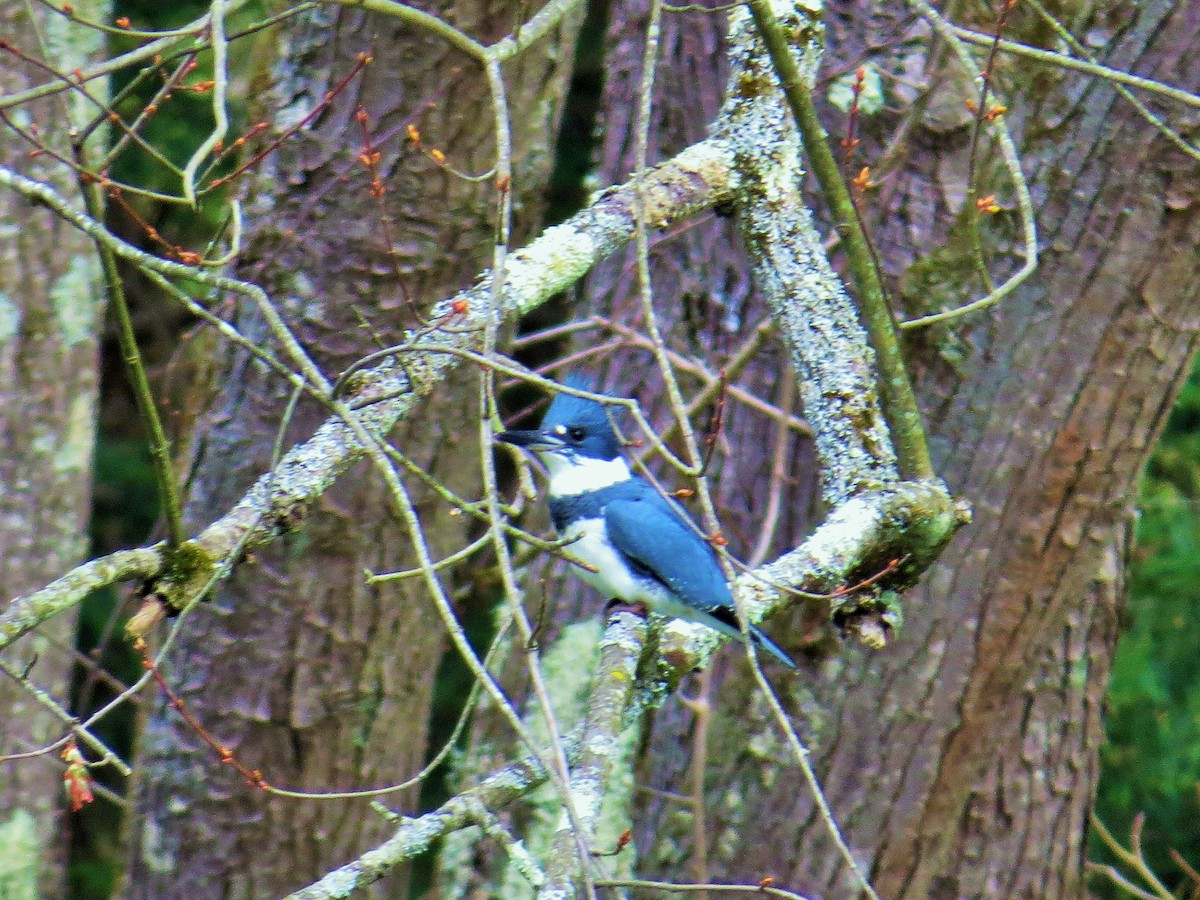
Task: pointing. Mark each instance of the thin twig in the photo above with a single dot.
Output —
(107, 756)
(1118, 85)
(1012, 162)
(1063, 61)
(160, 47)
(764, 888)
(216, 36)
(1132, 856)
(135, 370)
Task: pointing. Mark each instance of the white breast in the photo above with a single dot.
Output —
(589, 544)
(613, 580)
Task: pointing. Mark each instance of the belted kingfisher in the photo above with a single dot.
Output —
(640, 545)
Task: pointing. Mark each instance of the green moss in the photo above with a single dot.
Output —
(943, 279)
(353, 384)
(751, 85)
(187, 571)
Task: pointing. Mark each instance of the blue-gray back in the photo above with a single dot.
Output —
(654, 537)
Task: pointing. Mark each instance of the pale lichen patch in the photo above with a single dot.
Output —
(20, 852)
(10, 318)
(74, 453)
(74, 299)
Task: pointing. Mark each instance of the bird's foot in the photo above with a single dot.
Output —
(615, 606)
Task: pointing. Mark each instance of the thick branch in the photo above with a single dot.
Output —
(25, 613)
(899, 402)
(902, 527)
(696, 179)
(612, 691)
(834, 362)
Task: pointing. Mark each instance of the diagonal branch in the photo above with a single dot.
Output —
(697, 179)
(414, 836)
(899, 401)
(27, 612)
(834, 363)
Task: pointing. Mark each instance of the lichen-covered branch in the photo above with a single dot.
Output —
(696, 179)
(770, 76)
(415, 836)
(908, 520)
(902, 527)
(834, 363)
(27, 612)
(600, 748)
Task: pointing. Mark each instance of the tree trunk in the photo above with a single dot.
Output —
(961, 760)
(305, 672)
(50, 314)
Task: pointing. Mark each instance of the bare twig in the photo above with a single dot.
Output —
(85, 736)
(1131, 857)
(1090, 67)
(216, 36)
(159, 47)
(765, 888)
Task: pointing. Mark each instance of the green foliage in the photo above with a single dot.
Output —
(1151, 760)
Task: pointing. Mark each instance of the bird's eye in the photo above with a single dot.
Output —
(576, 433)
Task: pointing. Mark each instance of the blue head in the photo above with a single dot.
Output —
(582, 424)
(575, 442)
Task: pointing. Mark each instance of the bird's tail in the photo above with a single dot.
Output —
(724, 620)
(771, 647)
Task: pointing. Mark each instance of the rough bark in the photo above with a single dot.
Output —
(305, 672)
(961, 760)
(50, 314)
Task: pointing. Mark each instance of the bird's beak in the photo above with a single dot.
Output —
(537, 441)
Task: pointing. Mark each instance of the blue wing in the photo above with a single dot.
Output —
(662, 545)
(658, 542)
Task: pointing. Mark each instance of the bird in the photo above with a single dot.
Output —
(637, 547)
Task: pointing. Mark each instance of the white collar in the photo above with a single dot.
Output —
(573, 475)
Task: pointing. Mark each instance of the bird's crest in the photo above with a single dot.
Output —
(568, 410)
